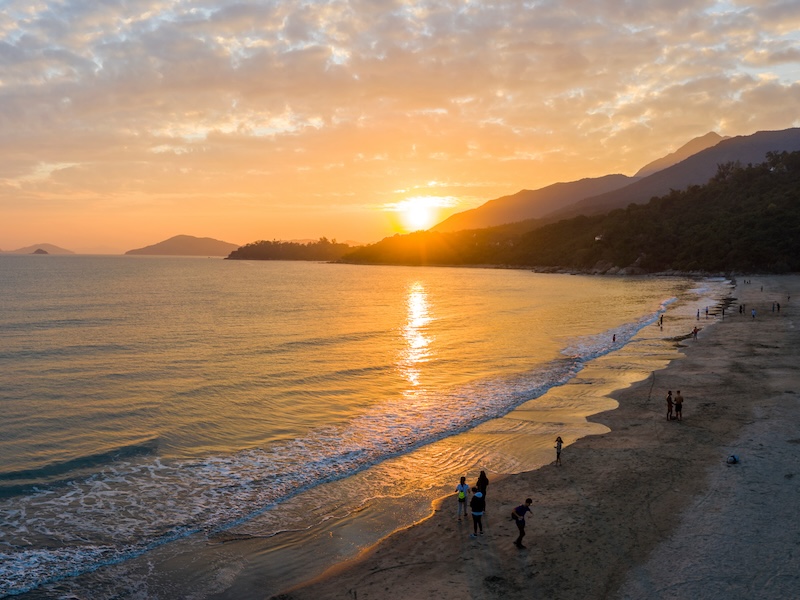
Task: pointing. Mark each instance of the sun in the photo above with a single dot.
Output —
(419, 212)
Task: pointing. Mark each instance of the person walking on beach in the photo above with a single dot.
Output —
(559, 443)
(462, 490)
(482, 484)
(669, 405)
(518, 514)
(678, 405)
(477, 505)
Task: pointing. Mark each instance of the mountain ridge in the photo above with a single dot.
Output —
(186, 245)
(529, 204)
(617, 191)
(690, 148)
(698, 169)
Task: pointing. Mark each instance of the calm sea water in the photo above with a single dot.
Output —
(145, 401)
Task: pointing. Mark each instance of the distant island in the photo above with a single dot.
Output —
(186, 245)
(39, 249)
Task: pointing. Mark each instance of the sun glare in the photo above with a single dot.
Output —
(419, 212)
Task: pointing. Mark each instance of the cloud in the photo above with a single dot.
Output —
(195, 105)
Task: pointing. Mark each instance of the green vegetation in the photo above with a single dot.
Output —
(744, 219)
(323, 249)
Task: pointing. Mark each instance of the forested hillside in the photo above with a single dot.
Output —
(322, 249)
(745, 219)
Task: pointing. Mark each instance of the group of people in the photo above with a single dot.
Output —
(477, 503)
(674, 405)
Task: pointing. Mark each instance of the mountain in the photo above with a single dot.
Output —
(536, 204)
(695, 170)
(696, 145)
(530, 204)
(48, 248)
(693, 163)
(187, 245)
(744, 219)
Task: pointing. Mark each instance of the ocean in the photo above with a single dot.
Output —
(169, 422)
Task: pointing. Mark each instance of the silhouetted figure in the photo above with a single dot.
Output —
(518, 514)
(669, 405)
(477, 505)
(482, 483)
(679, 406)
(559, 443)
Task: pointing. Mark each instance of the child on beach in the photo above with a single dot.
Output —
(477, 505)
(558, 445)
(462, 489)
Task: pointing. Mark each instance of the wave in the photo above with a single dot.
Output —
(49, 474)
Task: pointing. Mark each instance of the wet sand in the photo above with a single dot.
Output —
(650, 510)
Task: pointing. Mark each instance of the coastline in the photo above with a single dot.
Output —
(610, 521)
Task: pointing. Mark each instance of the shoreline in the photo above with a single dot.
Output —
(620, 496)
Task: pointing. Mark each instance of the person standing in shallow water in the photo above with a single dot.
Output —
(559, 443)
(462, 489)
(669, 405)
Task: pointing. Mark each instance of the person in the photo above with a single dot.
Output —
(477, 505)
(694, 332)
(462, 490)
(518, 514)
(669, 405)
(753, 312)
(698, 314)
(678, 405)
(482, 484)
(559, 443)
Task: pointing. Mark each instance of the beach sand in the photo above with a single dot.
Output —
(652, 509)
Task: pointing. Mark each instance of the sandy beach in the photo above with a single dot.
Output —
(652, 509)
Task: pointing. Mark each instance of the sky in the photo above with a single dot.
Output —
(126, 122)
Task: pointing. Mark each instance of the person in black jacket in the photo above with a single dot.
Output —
(477, 505)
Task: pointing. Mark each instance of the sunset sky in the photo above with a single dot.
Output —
(125, 122)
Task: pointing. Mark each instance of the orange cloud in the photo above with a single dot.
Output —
(123, 125)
